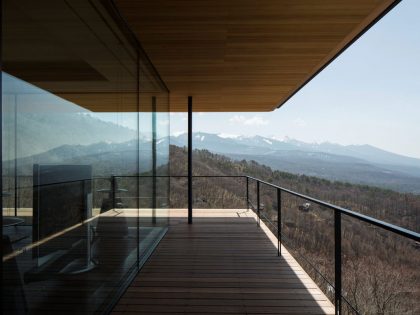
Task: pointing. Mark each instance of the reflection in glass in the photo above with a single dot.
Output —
(78, 139)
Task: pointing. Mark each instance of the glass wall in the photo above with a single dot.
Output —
(85, 129)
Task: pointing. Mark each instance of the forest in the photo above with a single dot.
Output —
(380, 270)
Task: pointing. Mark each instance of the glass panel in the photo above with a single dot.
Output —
(154, 178)
(74, 145)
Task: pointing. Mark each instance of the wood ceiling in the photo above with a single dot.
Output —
(244, 55)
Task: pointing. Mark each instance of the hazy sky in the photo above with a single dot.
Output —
(369, 95)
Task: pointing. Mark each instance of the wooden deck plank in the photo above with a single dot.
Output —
(221, 264)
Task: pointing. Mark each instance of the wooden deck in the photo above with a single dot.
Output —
(222, 264)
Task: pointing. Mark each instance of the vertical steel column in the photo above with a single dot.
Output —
(247, 193)
(337, 265)
(258, 203)
(16, 157)
(154, 156)
(278, 222)
(190, 197)
(1, 155)
(138, 159)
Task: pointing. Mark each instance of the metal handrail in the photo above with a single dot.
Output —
(385, 225)
(338, 211)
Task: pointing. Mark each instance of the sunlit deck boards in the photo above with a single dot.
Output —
(222, 264)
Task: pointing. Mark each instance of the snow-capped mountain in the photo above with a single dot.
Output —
(266, 145)
(354, 163)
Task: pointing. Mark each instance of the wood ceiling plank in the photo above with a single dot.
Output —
(243, 55)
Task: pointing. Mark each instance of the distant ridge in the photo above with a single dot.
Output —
(360, 164)
(365, 151)
(40, 132)
(83, 138)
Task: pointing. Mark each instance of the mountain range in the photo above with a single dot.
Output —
(41, 132)
(111, 148)
(360, 164)
(106, 158)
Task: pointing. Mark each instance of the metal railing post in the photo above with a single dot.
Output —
(337, 258)
(278, 222)
(113, 189)
(247, 193)
(258, 203)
